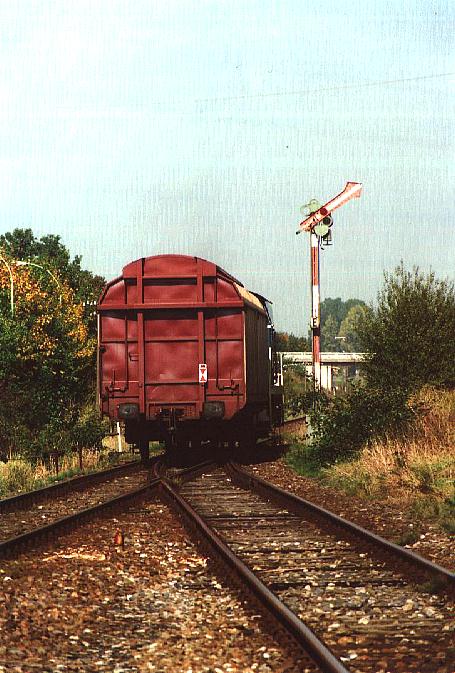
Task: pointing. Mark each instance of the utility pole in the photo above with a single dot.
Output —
(318, 223)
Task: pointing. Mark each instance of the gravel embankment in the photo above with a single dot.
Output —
(388, 521)
(86, 605)
(23, 520)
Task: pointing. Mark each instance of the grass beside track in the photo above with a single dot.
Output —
(416, 471)
(18, 475)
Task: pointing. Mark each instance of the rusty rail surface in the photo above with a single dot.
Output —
(302, 508)
(277, 611)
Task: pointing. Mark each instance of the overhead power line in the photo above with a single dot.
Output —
(303, 92)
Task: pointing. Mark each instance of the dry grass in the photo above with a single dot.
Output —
(18, 475)
(417, 471)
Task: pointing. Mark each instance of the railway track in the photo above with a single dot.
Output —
(82, 603)
(22, 500)
(49, 512)
(333, 586)
(342, 594)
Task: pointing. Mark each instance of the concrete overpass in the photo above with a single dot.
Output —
(329, 360)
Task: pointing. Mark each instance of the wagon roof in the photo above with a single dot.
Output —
(174, 259)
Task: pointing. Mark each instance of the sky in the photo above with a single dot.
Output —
(135, 128)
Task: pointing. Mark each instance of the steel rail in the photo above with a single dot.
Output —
(189, 473)
(301, 633)
(67, 485)
(16, 545)
(183, 475)
(301, 507)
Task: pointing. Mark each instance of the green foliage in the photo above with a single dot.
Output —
(333, 313)
(410, 335)
(429, 507)
(89, 429)
(303, 459)
(349, 328)
(18, 477)
(291, 343)
(342, 425)
(21, 244)
(329, 332)
(70, 431)
(297, 386)
(47, 348)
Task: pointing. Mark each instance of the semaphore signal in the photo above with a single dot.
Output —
(318, 223)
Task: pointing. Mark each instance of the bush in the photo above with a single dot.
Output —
(342, 425)
(296, 379)
(409, 334)
(408, 340)
(15, 477)
(89, 430)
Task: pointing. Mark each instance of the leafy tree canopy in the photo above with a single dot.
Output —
(329, 333)
(349, 328)
(333, 313)
(410, 335)
(337, 308)
(47, 343)
(290, 342)
(49, 251)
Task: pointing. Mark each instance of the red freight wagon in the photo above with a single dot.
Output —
(185, 354)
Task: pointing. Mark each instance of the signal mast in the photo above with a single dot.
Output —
(318, 222)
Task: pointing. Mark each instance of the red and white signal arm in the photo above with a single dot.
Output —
(202, 373)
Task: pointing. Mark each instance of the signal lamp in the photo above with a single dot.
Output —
(322, 228)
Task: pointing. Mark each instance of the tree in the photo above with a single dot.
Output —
(329, 332)
(333, 307)
(291, 343)
(349, 328)
(410, 335)
(333, 312)
(49, 251)
(46, 352)
(338, 308)
(47, 347)
(297, 385)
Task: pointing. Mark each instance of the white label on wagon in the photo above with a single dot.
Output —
(202, 373)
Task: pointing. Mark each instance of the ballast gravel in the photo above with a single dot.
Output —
(391, 522)
(38, 514)
(87, 604)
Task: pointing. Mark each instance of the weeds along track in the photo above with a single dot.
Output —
(349, 598)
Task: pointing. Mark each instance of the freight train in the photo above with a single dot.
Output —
(186, 355)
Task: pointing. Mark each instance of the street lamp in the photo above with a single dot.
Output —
(26, 263)
(11, 282)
